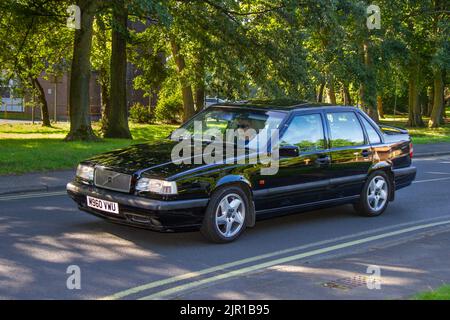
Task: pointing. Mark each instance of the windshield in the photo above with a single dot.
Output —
(249, 123)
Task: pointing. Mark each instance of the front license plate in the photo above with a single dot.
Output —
(103, 205)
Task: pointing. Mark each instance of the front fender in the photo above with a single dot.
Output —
(234, 178)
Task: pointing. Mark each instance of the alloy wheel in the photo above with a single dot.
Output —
(230, 215)
(377, 193)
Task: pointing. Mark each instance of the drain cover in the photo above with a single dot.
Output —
(347, 283)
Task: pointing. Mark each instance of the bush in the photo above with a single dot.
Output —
(169, 108)
(140, 114)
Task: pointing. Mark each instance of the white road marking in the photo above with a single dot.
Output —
(32, 195)
(431, 180)
(238, 272)
(435, 172)
(222, 267)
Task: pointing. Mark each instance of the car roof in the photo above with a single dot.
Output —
(280, 104)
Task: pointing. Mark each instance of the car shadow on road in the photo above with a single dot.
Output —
(278, 227)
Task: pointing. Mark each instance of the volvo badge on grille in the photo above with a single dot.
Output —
(110, 179)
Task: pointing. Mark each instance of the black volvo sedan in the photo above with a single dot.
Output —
(328, 155)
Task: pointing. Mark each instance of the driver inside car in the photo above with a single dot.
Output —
(245, 130)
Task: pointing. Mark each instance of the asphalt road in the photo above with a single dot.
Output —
(42, 235)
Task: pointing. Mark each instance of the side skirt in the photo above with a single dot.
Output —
(310, 205)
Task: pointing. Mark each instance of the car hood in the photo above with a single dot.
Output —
(148, 158)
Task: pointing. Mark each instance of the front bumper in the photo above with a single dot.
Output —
(142, 212)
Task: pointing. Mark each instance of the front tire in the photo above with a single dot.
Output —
(225, 217)
(374, 197)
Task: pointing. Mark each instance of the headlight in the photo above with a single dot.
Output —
(85, 172)
(156, 186)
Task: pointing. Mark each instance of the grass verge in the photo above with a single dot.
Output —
(31, 148)
(441, 293)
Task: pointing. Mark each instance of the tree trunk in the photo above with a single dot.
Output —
(438, 100)
(414, 112)
(199, 97)
(380, 107)
(320, 93)
(444, 114)
(43, 102)
(429, 103)
(347, 97)
(199, 81)
(368, 87)
(104, 96)
(115, 124)
(437, 116)
(331, 92)
(79, 109)
(186, 90)
(103, 74)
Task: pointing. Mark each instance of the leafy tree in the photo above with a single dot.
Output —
(409, 27)
(440, 61)
(247, 47)
(148, 50)
(233, 49)
(101, 59)
(115, 118)
(34, 43)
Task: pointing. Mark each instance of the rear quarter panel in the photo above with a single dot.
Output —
(399, 150)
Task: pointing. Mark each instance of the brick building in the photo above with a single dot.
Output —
(16, 107)
(57, 96)
(59, 91)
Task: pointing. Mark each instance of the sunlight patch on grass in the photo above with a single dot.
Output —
(28, 128)
(420, 135)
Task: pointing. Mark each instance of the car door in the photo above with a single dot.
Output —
(350, 152)
(303, 178)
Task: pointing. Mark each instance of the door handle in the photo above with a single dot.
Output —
(325, 160)
(366, 153)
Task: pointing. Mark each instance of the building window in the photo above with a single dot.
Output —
(9, 102)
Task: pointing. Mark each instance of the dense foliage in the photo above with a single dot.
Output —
(185, 50)
(140, 114)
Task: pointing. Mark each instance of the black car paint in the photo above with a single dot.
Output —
(311, 180)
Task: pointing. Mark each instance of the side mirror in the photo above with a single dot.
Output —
(289, 151)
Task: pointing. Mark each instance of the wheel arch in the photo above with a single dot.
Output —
(246, 186)
(386, 167)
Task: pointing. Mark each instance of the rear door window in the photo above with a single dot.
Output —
(372, 134)
(345, 129)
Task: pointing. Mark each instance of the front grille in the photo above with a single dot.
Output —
(111, 180)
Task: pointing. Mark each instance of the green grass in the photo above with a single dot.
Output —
(32, 148)
(442, 293)
(421, 135)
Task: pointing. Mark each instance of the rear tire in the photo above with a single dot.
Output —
(225, 217)
(375, 195)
